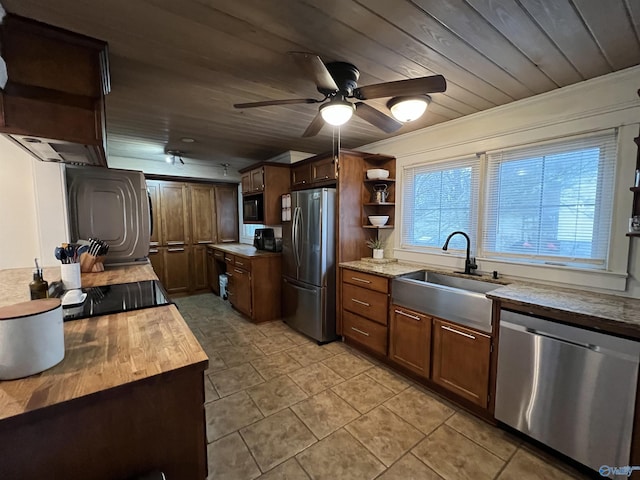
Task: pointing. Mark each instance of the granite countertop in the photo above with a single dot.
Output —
(610, 313)
(590, 309)
(242, 249)
(103, 352)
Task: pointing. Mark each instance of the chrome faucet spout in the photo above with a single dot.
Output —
(469, 263)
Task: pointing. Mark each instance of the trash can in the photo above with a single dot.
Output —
(224, 281)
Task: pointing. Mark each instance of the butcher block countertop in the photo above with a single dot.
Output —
(101, 353)
(242, 249)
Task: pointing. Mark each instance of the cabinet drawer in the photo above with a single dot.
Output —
(218, 255)
(229, 259)
(367, 303)
(365, 332)
(242, 263)
(366, 280)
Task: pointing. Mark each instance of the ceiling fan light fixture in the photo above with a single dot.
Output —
(408, 109)
(337, 112)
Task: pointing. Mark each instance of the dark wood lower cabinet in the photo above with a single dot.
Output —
(199, 258)
(461, 358)
(213, 272)
(240, 290)
(177, 269)
(410, 340)
(156, 257)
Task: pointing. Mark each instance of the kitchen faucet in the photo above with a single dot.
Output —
(469, 263)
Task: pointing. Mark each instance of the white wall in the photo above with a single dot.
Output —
(605, 102)
(33, 217)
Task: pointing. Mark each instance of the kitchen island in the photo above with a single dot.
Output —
(128, 397)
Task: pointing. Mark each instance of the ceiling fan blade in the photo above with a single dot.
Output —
(268, 103)
(376, 118)
(412, 86)
(316, 70)
(315, 126)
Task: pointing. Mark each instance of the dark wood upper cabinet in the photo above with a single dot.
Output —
(203, 214)
(323, 170)
(175, 213)
(271, 180)
(300, 175)
(226, 198)
(56, 86)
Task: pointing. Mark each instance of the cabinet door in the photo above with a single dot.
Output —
(240, 294)
(174, 214)
(199, 270)
(227, 213)
(323, 170)
(153, 187)
(300, 175)
(245, 181)
(176, 268)
(212, 272)
(257, 180)
(461, 361)
(203, 214)
(410, 340)
(156, 257)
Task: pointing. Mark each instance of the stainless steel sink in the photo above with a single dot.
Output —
(458, 299)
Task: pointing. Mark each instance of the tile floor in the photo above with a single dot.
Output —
(278, 406)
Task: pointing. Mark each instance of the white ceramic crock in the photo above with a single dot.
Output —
(31, 338)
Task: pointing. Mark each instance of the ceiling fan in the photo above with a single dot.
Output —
(338, 81)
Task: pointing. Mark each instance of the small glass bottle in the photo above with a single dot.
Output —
(38, 287)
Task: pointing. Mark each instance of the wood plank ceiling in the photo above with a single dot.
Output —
(177, 67)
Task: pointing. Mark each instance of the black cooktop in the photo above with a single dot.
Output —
(121, 297)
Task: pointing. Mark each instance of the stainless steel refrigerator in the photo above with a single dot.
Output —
(309, 270)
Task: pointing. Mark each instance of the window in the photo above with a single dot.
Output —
(551, 203)
(438, 199)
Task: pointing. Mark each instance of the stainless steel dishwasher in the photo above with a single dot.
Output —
(570, 388)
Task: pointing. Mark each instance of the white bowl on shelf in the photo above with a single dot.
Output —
(377, 174)
(378, 220)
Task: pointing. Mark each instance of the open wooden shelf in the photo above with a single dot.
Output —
(373, 226)
(380, 204)
(379, 180)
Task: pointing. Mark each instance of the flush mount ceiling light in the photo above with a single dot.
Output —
(173, 156)
(187, 140)
(337, 112)
(408, 109)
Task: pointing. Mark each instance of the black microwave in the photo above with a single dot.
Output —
(252, 209)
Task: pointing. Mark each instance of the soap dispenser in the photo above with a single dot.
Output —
(38, 287)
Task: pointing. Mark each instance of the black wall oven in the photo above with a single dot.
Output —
(252, 209)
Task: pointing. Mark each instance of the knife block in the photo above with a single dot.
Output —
(91, 263)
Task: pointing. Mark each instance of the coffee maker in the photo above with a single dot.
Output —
(260, 235)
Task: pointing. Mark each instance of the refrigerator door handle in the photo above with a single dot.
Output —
(295, 232)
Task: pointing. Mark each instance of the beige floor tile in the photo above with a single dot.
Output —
(419, 409)
(527, 466)
(384, 434)
(308, 354)
(277, 438)
(289, 470)
(409, 468)
(393, 382)
(492, 438)
(277, 327)
(235, 379)
(273, 344)
(210, 393)
(240, 337)
(275, 365)
(298, 338)
(454, 457)
(337, 347)
(230, 414)
(229, 458)
(233, 356)
(315, 378)
(215, 331)
(276, 394)
(340, 456)
(347, 365)
(215, 343)
(363, 393)
(215, 362)
(325, 413)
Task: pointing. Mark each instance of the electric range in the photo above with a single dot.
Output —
(121, 297)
